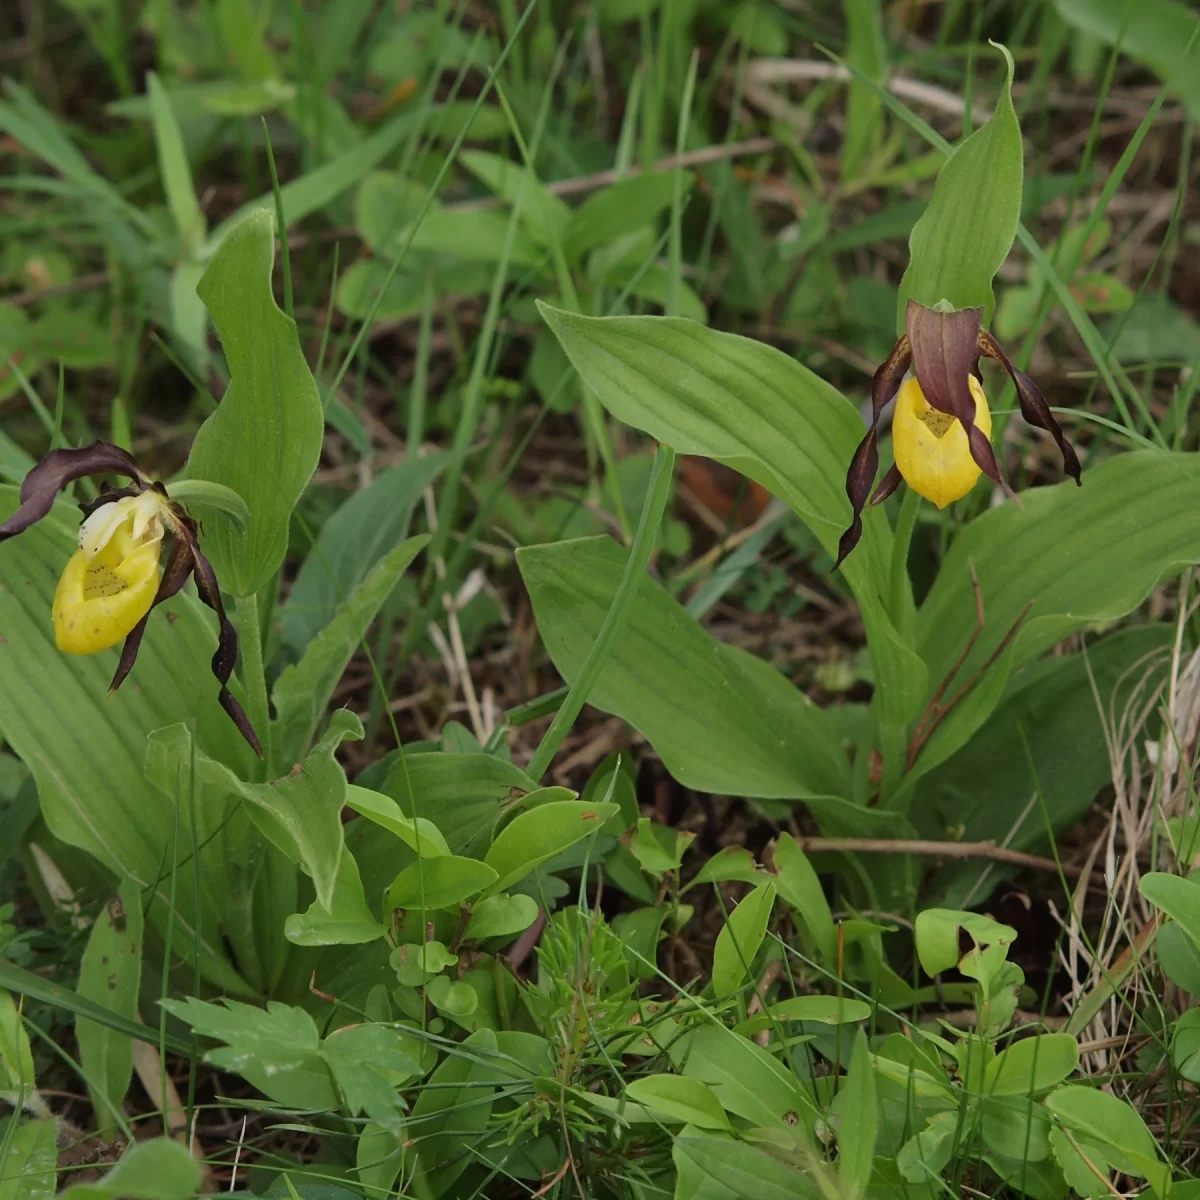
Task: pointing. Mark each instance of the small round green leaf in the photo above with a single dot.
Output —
(738, 942)
(414, 963)
(454, 998)
(538, 835)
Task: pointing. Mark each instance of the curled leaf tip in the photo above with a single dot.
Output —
(60, 468)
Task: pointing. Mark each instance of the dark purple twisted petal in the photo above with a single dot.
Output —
(61, 467)
(227, 643)
(179, 567)
(887, 485)
(945, 349)
(864, 466)
(1034, 408)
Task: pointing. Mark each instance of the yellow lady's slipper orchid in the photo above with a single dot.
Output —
(112, 582)
(943, 426)
(931, 447)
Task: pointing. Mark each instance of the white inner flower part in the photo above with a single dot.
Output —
(98, 530)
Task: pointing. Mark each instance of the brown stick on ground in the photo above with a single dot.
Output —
(935, 849)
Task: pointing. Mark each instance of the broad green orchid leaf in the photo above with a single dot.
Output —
(265, 438)
(964, 235)
(369, 525)
(676, 684)
(1160, 33)
(300, 814)
(347, 921)
(1045, 570)
(752, 407)
(86, 748)
(302, 692)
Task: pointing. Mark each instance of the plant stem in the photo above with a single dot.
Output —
(894, 740)
(253, 673)
(635, 569)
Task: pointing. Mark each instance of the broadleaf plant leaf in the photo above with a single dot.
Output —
(740, 938)
(90, 782)
(1160, 33)
(676, 684)
(453, 1110)
(365, 528)
(462, 794)
(346, 921)
(298, 814)
(752, 407)
(1056, 553)
(302, 692)
(541, 833)
(157, 1169)
(967, 230)
(265, 437)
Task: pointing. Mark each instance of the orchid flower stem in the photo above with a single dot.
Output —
(894, 740)
(657, 495)
(253, 672)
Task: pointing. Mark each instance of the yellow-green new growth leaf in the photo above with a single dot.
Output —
(534, 837)
(690, 1101)
(264, 440)
(415, 832)
(440, 882)
(964, 235)
(738, 942)
(1031, 1065)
